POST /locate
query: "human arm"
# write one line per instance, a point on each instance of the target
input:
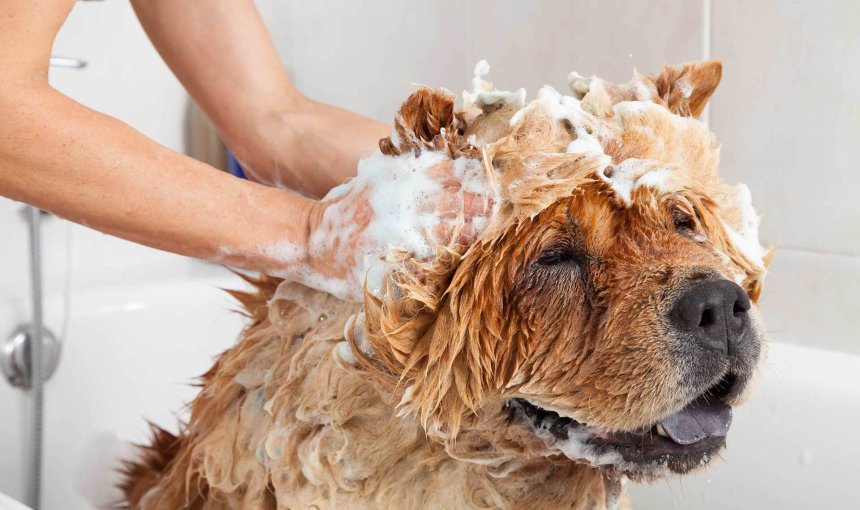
(223, 55)
(90, 168)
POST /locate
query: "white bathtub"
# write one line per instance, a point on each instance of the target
(794, 445)
(129, 356)
(133, 349)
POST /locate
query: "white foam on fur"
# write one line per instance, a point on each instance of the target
(745, 238)
(563, 108)
(683, 84)
(633, 173)
(659, 179)
(343, 352)
(641, 108)
(483, 93)
(578, 447)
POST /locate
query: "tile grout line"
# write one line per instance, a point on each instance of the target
(812, 251)
(706, 49)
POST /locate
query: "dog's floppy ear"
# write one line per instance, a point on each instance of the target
(435, 335)
(686, 88)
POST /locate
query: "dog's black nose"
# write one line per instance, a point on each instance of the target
(715, 312)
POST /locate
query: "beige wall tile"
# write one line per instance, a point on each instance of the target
(530, 44)
(788, 116)
(364, 55)
(812, 299)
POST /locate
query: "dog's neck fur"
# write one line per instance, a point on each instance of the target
(333, 438)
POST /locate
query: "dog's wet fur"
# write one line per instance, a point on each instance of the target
(527, 370)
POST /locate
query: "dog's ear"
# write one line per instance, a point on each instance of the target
(686, 88)
(435, 333)
(426, 121)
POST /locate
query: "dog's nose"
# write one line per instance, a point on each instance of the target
(715, 312)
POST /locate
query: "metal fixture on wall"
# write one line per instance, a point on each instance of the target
(16, 356)
(71, 63)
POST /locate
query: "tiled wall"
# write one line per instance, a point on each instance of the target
(789, 120)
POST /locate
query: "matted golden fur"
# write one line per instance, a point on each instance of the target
(474, 377)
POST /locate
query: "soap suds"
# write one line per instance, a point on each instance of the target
(400, 194)
(579, 84)
(578, 446)
(343, 352)
(398, 189)
(342, 188)
(395, 187)
(745, 238)
(354, 330)
(470, 173)
(627, 174)
(584, 144)
(484, 94)
(643, 92)
(563, 108)
(641, 108)
(659, 179)
(684, 86)
(286, 251)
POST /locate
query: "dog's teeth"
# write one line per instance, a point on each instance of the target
(661, 431)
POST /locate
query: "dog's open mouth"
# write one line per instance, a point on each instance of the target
(679, 442)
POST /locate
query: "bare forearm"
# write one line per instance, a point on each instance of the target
(63, 157)
(95, 170)
(222, 53)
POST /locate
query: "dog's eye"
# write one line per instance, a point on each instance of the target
(684, 223)
(556, 256)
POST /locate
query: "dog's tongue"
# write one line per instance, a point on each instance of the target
(700, 419)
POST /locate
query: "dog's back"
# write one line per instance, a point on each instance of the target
(145, 479)
(193, 469)
(277, 415)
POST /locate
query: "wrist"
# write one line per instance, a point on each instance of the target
(279, 242)
(269, 146)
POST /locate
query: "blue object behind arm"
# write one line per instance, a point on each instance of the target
(233, 166)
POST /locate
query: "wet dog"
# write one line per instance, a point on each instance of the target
(600, 328)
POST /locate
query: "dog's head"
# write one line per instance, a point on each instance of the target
(607, 314)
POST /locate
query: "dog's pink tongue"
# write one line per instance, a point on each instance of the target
(700, 419)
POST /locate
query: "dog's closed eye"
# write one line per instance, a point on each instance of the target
(556, 256)
(684, 222)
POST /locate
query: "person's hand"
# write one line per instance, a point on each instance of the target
(395, 205)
